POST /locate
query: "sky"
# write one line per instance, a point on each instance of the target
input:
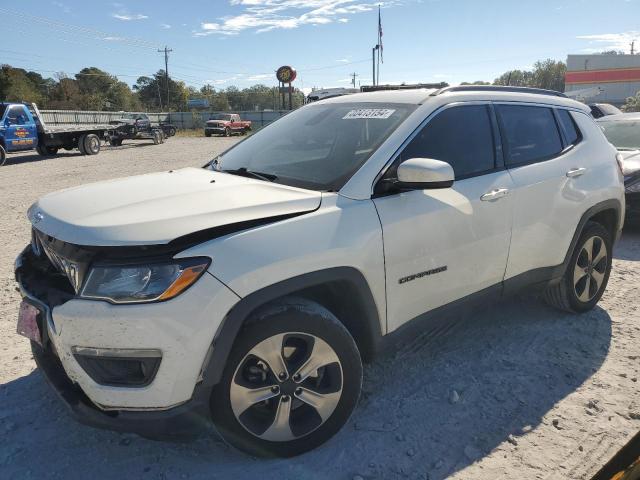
(243, 42)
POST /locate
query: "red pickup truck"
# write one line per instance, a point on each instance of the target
(226, 124)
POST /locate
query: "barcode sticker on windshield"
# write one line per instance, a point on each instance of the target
(369, 113)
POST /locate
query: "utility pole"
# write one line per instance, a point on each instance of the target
(353, 81)
(166, 71)
(633, 47)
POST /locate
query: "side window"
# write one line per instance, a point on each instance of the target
(569, 127)
(461, 136)
(17, 116)
(529, 134)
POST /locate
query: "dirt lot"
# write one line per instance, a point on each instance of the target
(518, 390)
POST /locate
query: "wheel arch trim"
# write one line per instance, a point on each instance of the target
(233, 321)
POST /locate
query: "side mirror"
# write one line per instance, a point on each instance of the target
(424, 173)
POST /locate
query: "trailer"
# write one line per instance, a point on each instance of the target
(23, 128)
(134, 126)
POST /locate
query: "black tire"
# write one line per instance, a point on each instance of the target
(227, 132)
(51, 150)
(42, 151)
(582, 295)
(207, 134)
(156, 138)
(295, 318)
(171, 132)
(3, 156)
(81, 144)
(91, 144)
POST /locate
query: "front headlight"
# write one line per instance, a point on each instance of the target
(143, 283)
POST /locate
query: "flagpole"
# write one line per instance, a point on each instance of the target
(379, 42)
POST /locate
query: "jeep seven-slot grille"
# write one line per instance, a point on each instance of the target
(61, 255)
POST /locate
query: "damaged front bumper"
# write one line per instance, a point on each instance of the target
(175, 404)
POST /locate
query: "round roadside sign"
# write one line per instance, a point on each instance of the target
(286, 74)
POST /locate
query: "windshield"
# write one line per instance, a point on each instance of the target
(2, 109)
(624, 135)
(319, 146)
(220, 117)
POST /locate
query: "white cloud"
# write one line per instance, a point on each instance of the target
(610, 41)
(62, 6)
(128, 16)
(166, 26)
(265, 15)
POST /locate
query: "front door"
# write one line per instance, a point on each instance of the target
(441, 245)
(20, 133)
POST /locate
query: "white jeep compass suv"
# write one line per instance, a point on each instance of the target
(249, 292)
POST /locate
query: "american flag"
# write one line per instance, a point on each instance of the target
(380, 35)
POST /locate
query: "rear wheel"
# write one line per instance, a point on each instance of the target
(290, 383)
(81, 144)
(92, 144)
(227, 132)
(171, 132)
(3, 156)
(207, 134)
(587, 274)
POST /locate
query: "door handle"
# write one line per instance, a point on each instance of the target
(576, 172)
(494, 194)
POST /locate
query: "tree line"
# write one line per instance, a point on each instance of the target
(94, 89)
(548, 74)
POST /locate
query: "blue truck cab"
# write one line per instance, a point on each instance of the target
(18, 129)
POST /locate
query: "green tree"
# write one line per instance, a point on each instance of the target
(152, 92)
(548, 74)
(632, 104)
(17, 85)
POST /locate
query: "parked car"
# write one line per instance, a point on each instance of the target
(623, 131)
(599, 110)
(250, 291)
(226, 124)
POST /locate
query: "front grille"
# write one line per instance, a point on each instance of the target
(66, 258)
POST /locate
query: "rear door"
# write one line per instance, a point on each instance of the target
(20, 130)
(543, 154)
(441, 245)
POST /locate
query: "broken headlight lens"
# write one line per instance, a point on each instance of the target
(143, 283)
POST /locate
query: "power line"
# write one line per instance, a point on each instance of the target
(75, 29)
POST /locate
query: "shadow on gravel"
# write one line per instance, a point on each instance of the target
(20, 158)
(628, 247)
(432, 408)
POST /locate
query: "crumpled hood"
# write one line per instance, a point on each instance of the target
(156, 208)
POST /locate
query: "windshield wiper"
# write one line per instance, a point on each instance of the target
(243, 172)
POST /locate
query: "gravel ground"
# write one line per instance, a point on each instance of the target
(518, 390)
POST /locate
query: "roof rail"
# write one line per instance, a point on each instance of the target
(498, 88)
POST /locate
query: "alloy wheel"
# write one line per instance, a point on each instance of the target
(286, 386)
(590, 269)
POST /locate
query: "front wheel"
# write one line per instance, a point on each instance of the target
(290, 383)
(587, 274)
(227, 132)
(3, 156)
